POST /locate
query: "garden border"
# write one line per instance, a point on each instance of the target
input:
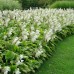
(65, 32)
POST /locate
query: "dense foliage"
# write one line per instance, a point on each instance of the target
(63, 4)
(33, 3)
(52, 1)
(38, 3)
(27, 37)
(9, 4)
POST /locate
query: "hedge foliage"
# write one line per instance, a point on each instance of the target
(37, 3)
(52, 1)
(9, 4)
(33, 3)
(63, 4)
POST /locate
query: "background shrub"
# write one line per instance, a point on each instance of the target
(33, 3)
(38, 3)
(9, 4)
(63, 4)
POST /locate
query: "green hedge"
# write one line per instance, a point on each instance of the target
(63, 4)
(33, 3)
(9, 4)
(52, 1)
(39, 3)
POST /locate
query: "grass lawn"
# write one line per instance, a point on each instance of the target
(62, 61)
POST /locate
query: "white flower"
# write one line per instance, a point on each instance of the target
(0, 67)
(17, 43)
(34, 38)
(21, 56)
(19, 62)
(17, 71)
(10, 32)
(25, 37)
(32, 27)
(49, 35)
(32, 33)
(37, 32)
(6, 22)
(25, 34)
(38, 53)
(15, 39)
(6, 69)
(5, 37)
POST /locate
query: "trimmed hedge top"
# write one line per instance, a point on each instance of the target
(63, 4)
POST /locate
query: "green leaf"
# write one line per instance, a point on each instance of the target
(9, 55)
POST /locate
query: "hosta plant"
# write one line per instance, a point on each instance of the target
(28, 37)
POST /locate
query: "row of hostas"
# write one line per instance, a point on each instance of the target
(9, 54)
(28, 37)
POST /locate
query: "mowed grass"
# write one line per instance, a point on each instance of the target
(62, 61)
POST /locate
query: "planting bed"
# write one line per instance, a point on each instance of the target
(28, 37)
